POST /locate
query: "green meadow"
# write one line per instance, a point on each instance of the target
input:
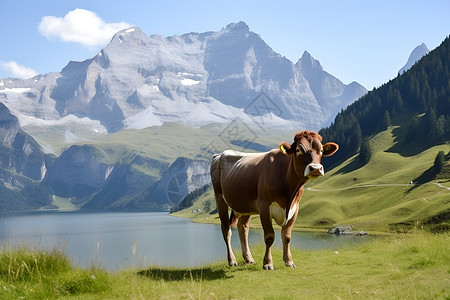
(402, 266)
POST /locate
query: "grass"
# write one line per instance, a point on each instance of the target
(36, 274)
(377, 196)
(164, 143)
(63, 204)
(401, 266)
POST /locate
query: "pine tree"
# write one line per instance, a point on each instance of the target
(431, 125)
(357, 136)
(441, 125)
(439, 162)
(364, 152)
(386, 122)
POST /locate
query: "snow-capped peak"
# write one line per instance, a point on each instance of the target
(194, 79)
(132, 33)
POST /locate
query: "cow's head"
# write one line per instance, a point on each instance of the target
(307, 151)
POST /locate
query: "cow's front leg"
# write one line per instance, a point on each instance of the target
(269, 237)
(286, 238)
(243, 228)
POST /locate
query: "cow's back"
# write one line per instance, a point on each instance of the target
(236, 175)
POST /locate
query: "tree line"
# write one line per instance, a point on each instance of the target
(418, 101)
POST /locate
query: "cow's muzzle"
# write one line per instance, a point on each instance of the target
(313, 171)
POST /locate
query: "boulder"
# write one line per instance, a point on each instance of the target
(345, 229)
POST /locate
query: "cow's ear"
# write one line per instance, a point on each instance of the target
(330, 148)
(285, 148)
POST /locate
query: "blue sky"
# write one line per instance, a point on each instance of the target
(364, 41)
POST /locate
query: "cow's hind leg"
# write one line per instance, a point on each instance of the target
(222, 209)
(243, 228)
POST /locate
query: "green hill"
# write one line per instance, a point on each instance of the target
(375, 197)
(379, 196)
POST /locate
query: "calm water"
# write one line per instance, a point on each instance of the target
(118, 240)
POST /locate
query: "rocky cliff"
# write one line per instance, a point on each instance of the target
(182, 177)
(22, 167)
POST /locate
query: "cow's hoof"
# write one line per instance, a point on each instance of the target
(250, 261)
(291, 265)
(268, 267)
(232, 263)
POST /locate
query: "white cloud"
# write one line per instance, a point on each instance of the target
(17, 70)
(80, 26)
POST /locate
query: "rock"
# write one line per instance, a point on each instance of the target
(342, 229)
(345, 229)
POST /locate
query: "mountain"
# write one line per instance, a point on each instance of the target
(92, 116)
(418, 52)
(138, 81)
(22, 167)
(181, 178)
(21, 153)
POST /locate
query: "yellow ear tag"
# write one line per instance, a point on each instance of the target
(283, 149)
(328, 148)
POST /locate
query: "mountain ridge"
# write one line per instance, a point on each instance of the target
(138, 81)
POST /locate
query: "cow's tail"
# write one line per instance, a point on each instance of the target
(233, 218)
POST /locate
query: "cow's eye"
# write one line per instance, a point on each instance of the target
(299, 151)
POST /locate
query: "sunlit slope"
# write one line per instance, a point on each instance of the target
(374, 197)
(377, 196)
(172, 140)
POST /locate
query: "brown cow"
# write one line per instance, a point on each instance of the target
(269, 184)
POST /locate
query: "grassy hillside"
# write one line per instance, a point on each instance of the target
(140, 157)
(172, 140)
(376, 197)
(412, 266)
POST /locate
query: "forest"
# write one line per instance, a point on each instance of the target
(417, 101)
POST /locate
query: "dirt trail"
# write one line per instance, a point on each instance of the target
(440, 185)
(373, 185)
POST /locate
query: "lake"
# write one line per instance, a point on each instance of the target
(116, 240)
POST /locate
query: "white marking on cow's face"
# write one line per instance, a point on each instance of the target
(313, 171)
